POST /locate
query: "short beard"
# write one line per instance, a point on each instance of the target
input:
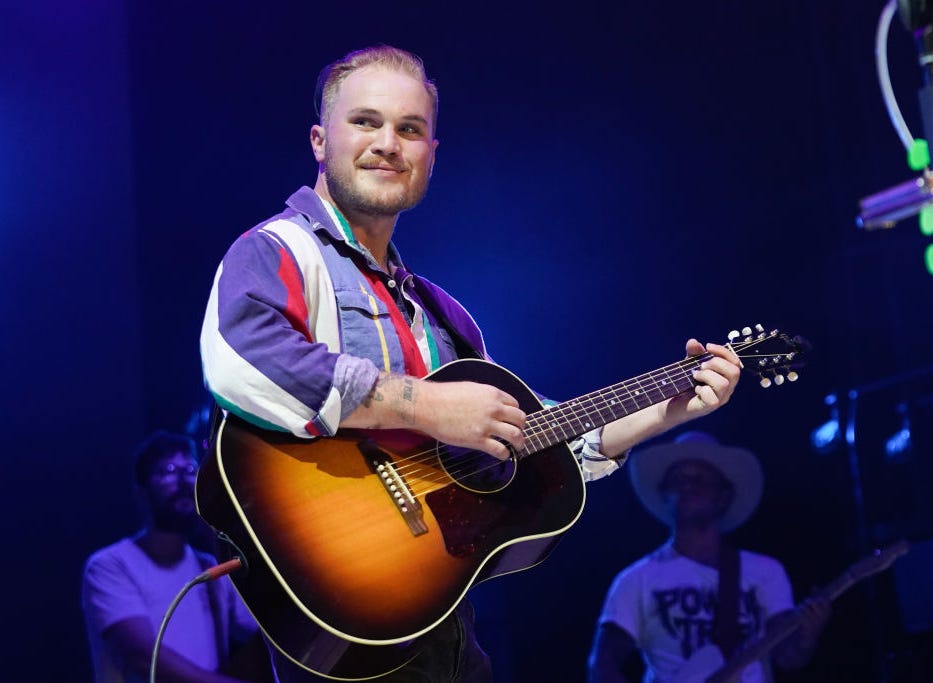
(182, 523)
(349, 199)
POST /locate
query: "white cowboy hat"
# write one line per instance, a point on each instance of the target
(738, 465)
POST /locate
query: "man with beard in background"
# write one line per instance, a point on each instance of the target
(128, 586)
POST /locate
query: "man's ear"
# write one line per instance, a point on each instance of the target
(435, 143)
(318, 145)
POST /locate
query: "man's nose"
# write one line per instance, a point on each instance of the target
(386, 142)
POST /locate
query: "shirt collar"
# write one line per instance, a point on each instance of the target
(325, 216)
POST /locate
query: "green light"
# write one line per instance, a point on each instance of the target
(918, 156)
(929, 258)
(926, 220)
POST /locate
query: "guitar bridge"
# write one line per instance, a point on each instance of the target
(395, 485)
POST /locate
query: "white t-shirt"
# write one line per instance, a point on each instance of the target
(667, 603)
(121, 581)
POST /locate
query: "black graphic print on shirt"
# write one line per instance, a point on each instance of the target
(688, 614)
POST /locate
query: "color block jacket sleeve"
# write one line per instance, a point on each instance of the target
(270, 340)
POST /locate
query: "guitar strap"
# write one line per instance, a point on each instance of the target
(726, 635)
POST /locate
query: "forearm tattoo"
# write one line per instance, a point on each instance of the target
(398, 391)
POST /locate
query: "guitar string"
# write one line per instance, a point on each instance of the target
(586, 405)
(441, 478)
(651, 386)
(536, 420)
(575, 408)
(582, 401)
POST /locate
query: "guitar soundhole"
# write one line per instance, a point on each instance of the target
(475, 470)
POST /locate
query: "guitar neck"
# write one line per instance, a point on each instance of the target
(760, 648)
(568, 420)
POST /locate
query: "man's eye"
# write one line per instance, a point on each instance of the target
(365, 123)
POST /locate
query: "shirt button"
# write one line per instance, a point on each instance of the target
(391, 284)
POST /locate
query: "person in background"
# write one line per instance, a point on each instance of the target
(669, 605)
(127, 587)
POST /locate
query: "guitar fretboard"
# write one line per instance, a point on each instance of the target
(577, 416)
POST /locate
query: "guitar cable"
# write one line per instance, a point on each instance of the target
(209, 574)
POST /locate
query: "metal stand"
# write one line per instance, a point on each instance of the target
(864, 537)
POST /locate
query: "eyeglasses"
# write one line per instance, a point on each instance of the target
(171, 469)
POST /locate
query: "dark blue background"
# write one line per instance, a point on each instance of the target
(611, 179)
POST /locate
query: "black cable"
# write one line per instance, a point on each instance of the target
(209, 575)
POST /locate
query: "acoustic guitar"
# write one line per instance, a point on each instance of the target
(358, 544)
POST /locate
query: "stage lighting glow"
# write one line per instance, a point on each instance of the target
(918, 156)
(899, 445)
(825, 438)
(926, 221)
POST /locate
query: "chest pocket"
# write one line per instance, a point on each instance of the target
(366, 329)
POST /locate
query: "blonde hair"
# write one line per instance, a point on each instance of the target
(334, 74)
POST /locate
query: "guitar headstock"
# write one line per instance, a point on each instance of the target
(879, 560)
(773, 356)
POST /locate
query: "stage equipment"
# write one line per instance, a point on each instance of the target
(844, 417)
(913, 197)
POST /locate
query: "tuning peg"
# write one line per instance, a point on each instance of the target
(733, 335)
(747, 331)
(759, 328)
(792, 376)
(765, 382)
(779, 379)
